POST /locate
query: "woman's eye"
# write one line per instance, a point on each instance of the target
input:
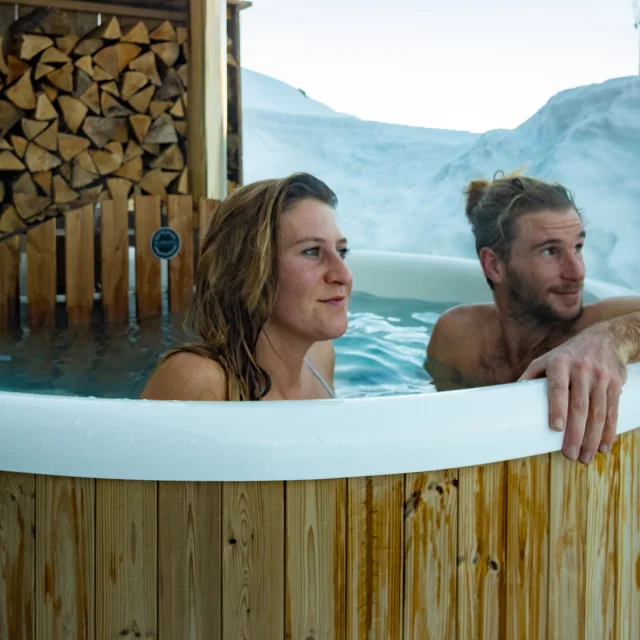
(344, 252)
(313, 251)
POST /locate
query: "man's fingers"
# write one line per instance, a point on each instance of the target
(558, 389)
(597, 415)
(611, 422)
(580, 384)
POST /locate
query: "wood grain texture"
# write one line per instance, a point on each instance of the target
(9, 283)
(253, 560)
(65, 558)
(79, 265)
(114, 252)
(601, 546)
(92, 7)
(482, 552)
(633, 450)
(41, 274)
(375, 560)
(190, 560)
(527, 567)
(431, 533)
(627, 599)
(196, 115)
(17, 556)
(567, 548)
(206, 211)
(316, 560)
(126, 559)
(181, 267)
(148, 283)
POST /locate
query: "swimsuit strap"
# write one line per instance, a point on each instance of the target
(317, 375)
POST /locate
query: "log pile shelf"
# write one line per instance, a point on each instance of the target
(84, 119)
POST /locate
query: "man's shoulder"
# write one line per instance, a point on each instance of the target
(457, 325)
(456, 342)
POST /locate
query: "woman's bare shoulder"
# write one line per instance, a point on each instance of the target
(186, 376)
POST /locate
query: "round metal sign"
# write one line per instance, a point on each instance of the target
(165, 243)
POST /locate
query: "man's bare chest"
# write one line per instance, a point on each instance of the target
(493, 366)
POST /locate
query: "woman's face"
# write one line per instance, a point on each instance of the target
(315, 283)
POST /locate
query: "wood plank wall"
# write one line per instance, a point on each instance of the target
(83, 248)
(533, 548)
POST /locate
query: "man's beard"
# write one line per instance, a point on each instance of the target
(528, 305)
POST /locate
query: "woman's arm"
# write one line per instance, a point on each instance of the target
(186, 376)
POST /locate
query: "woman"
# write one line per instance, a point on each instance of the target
(272, 290)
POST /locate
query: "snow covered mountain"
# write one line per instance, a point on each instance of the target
(400, 188)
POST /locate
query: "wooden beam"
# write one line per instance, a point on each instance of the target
(207, 113)
(111, 9)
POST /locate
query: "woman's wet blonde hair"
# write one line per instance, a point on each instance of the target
(236, 280)
(492, 207)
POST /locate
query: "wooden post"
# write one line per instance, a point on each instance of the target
(234, 110)
(207, 115)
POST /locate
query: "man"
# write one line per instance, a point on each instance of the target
(529, 238)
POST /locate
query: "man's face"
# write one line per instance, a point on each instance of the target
(545, 272)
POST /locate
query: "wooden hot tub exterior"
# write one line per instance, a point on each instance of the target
(532, 548)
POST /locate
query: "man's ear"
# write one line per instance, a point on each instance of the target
(492, 265)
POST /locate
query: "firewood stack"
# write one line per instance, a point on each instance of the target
(84, 119)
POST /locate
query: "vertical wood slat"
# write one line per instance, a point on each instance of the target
(79, 264)
(627, 599)
(148, 282)
(41, 274)
(634, 490)
(190, 560)
(567, 522)
(114, 259)
(9, 282)
(253, 560)
(181, 267)
(126, 559)
(65, 558)
(482, 552)
(527, 566)
(206, 210)
(431, 533)
(601, 548)
(196, 113)
(316, 559)
(17, 556)
(374, 563)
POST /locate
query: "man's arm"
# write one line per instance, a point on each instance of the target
(586, 375)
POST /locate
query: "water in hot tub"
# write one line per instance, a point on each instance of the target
(382, 353)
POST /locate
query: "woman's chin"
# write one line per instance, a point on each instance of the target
(334, 330)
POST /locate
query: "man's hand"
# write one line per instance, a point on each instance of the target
(585, 378)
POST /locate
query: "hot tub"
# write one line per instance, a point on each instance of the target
(449, 515)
